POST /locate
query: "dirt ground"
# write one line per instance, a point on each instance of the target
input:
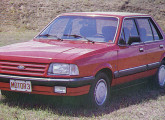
(35, 14)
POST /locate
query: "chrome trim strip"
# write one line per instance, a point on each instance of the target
(46, 79)
(116, 74)
(153, 41)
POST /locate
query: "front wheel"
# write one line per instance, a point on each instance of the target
(160, 77)
(100, 91)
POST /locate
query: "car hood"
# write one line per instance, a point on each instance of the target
(49, 50)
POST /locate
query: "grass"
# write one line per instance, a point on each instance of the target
(7, 38)
(134, 103)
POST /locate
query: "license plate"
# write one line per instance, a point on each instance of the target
(19, 85)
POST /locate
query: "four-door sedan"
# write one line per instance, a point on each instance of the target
(85, 53)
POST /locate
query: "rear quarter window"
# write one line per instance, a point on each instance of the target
(156, 33)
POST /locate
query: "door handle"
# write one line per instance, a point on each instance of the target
(161, 46)
(141, 49)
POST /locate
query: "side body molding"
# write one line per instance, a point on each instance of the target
(135, 70)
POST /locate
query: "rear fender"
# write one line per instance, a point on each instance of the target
(162, 57)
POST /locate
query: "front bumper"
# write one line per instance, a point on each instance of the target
(45, 86)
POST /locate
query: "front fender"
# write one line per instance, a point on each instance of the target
(100, 67)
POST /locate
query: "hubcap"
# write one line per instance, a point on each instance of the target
(100, 92)
(161, 75)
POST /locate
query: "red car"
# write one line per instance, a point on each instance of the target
(85, 53)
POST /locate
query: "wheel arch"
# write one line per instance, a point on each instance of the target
(108, 72)
(106, 68)
(162, 58)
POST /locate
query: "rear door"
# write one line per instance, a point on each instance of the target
(154, 44)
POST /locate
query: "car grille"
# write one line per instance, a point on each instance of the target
(23, 68)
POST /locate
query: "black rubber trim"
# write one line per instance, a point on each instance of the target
(75, 82)
(130, 71)
(153, 65)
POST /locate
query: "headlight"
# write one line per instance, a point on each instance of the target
(63, 69)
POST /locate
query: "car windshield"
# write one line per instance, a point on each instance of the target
(95, 29)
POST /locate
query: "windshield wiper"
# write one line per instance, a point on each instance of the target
(76, 36)
(47, 35)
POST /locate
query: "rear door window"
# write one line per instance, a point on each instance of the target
(145, 30)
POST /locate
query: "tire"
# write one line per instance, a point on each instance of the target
(100, 91)
(160, 76)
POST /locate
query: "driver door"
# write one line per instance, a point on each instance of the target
(131, 58)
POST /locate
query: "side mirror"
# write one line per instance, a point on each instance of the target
(133, 39)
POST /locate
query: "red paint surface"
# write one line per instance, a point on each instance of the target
(50, 90)
(89, 57)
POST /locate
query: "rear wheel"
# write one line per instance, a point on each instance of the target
(100, 91)
(160, 77)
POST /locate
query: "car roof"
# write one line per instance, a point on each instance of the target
(118, 14)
